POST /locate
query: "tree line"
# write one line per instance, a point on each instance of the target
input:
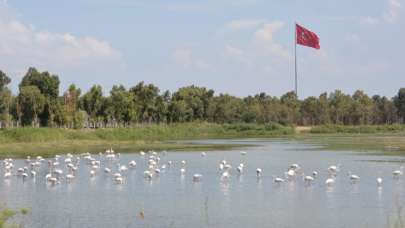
(39, 104)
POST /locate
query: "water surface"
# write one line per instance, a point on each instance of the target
(243, 201)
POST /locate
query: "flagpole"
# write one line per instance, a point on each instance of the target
(295, 54)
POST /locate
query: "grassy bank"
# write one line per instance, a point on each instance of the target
(377, 139)
(364, 129)
(48, 141)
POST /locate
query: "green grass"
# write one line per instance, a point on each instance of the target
(366, 129)
(376, 143)
(20, 142)
(377, 139)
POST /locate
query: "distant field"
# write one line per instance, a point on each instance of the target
(49, 141)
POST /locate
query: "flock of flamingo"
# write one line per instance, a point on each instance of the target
(65, 168)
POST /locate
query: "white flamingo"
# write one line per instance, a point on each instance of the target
(197, 177)
(258, 172)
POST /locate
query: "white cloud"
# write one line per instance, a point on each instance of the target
(238, 54)
(241, 24)
(390, 15)
(261, 54)
(22, 45)
(185, 58)
(264, 40)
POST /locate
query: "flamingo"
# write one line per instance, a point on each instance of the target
(132, 163)
(258, 172)
(197, 177)
(354, 178)
(309, 179)
(225, 175)
(398, 172)
(278, 180)
(69, 177)
(7, 174)
(330, 181)
(148, 174)
(379, 181)
(314, 174)
(290, 173)
(107, 170)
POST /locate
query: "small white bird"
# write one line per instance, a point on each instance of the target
(333, 168)
(203, 154)
(148, 174)
(119, 180)
(69, 177)
(291, 173)
(397, 173)
(354, 178)
(132, 163)
(309, 179)
(7, 174)
(258, 172)
(278, 180)
(294, 166)
(197, 177)
(239, 169)
(314, 173)
(107, 170)
(330, 181)
(379, 181)
(123, 168)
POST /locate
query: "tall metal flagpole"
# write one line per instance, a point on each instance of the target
(295, 52)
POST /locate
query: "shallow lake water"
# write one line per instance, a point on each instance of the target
(173, 200)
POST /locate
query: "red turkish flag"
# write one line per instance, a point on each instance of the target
(306, 37)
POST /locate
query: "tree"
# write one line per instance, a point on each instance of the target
(31, 102)
(196, 99)
(179, 111)
(92, 103)
(5, 99)
(292, 107)
(340, 104)
(361, 109)
(384, 111)
(225, 109)
(4, 80)
(399, 101)
(145, 101)
(122, 105)
(309, 111)
(47, 84)
(70, 104)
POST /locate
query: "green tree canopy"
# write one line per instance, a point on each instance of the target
(31, 102)
(47, 84)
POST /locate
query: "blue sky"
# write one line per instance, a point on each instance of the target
(239, 47)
